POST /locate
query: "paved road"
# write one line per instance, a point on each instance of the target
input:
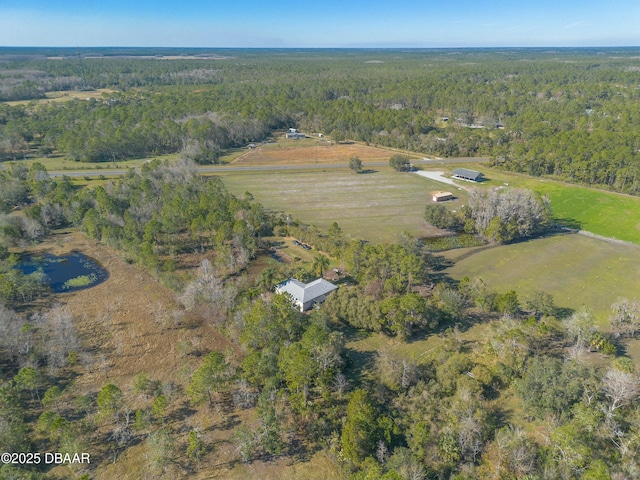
(258, 168)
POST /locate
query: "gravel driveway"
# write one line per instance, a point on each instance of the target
(438, 177)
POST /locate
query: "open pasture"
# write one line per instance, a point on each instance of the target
(575, 269)
(374, 206)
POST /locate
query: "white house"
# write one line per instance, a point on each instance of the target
(306, 295)
(295, 135)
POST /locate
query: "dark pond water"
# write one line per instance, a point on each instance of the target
(67, 273)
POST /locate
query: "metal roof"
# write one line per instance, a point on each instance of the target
(305, 293)
(466, 173)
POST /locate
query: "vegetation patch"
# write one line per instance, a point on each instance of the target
(463, 240)
(81, 281)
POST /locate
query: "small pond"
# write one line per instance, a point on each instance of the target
(66, 273)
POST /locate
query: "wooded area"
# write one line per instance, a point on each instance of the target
(568, 113)
(443, 415)
(540, 392)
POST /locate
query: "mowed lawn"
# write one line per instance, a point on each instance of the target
(575, 269)
(372, 206)
(605, 213)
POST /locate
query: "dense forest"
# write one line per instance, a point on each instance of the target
(568, 113)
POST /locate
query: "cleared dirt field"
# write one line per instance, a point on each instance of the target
(305, 151)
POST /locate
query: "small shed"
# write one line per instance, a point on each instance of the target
(466, 174)
(441, 196)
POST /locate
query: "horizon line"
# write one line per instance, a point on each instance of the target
(353, 47)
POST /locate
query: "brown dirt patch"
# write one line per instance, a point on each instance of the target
(322, 152)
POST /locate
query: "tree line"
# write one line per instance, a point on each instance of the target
(568, 113)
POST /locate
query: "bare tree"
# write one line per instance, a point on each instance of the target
(206, 287)
(409, 374)
(470, 436)
(159, 447)
(382, 452)
(625, 318)
(513, 213)
(517, 451)
(620, 388)
(394, 372)
(244, 395)
(61, 337)
(8, 320)
(340, 384)
(580, 326)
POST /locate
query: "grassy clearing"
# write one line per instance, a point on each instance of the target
(575, 269)
(232, 154)
(59, 163)
(419, 350)
(375, 206)
(605, 213)
(64, 96)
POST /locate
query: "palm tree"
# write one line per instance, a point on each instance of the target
(320, 264)
(266, 278)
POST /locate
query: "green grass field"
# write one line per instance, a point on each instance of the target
(575, 269)
(605, 213)
(379, 206)
(374, 206)
(61, 163)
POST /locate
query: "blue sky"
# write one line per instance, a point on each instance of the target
(328, 23)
